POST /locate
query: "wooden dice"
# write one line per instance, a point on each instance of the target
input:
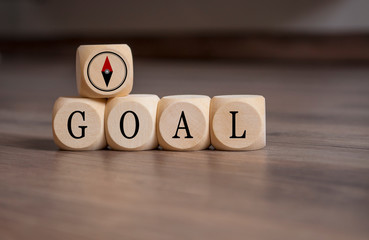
(142, 121)
(78, 123)
(183, 122)
(237, 122)
(104, 71)
(130, 122)
(109, 115)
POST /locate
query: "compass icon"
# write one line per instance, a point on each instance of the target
(107, 71)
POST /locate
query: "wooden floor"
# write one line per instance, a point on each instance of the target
(310, 182)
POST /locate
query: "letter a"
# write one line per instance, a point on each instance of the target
(183, 117)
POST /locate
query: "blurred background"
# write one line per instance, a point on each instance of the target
(254, 30)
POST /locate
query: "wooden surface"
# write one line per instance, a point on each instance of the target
(310, 182)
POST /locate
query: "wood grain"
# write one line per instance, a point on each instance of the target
(310, 182)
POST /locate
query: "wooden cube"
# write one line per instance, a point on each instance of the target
(237, 122)
(78, 123)
(130, 122)
(183, 122)
(104, 71)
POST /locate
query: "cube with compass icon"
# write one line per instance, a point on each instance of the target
(104, 71)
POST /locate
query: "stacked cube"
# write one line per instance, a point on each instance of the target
(106, 114)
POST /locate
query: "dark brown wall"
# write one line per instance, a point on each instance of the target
(55, 18)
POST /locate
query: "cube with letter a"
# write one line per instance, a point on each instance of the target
(104, 71)
(183, 122)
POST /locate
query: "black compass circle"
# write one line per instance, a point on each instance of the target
(119, 85)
